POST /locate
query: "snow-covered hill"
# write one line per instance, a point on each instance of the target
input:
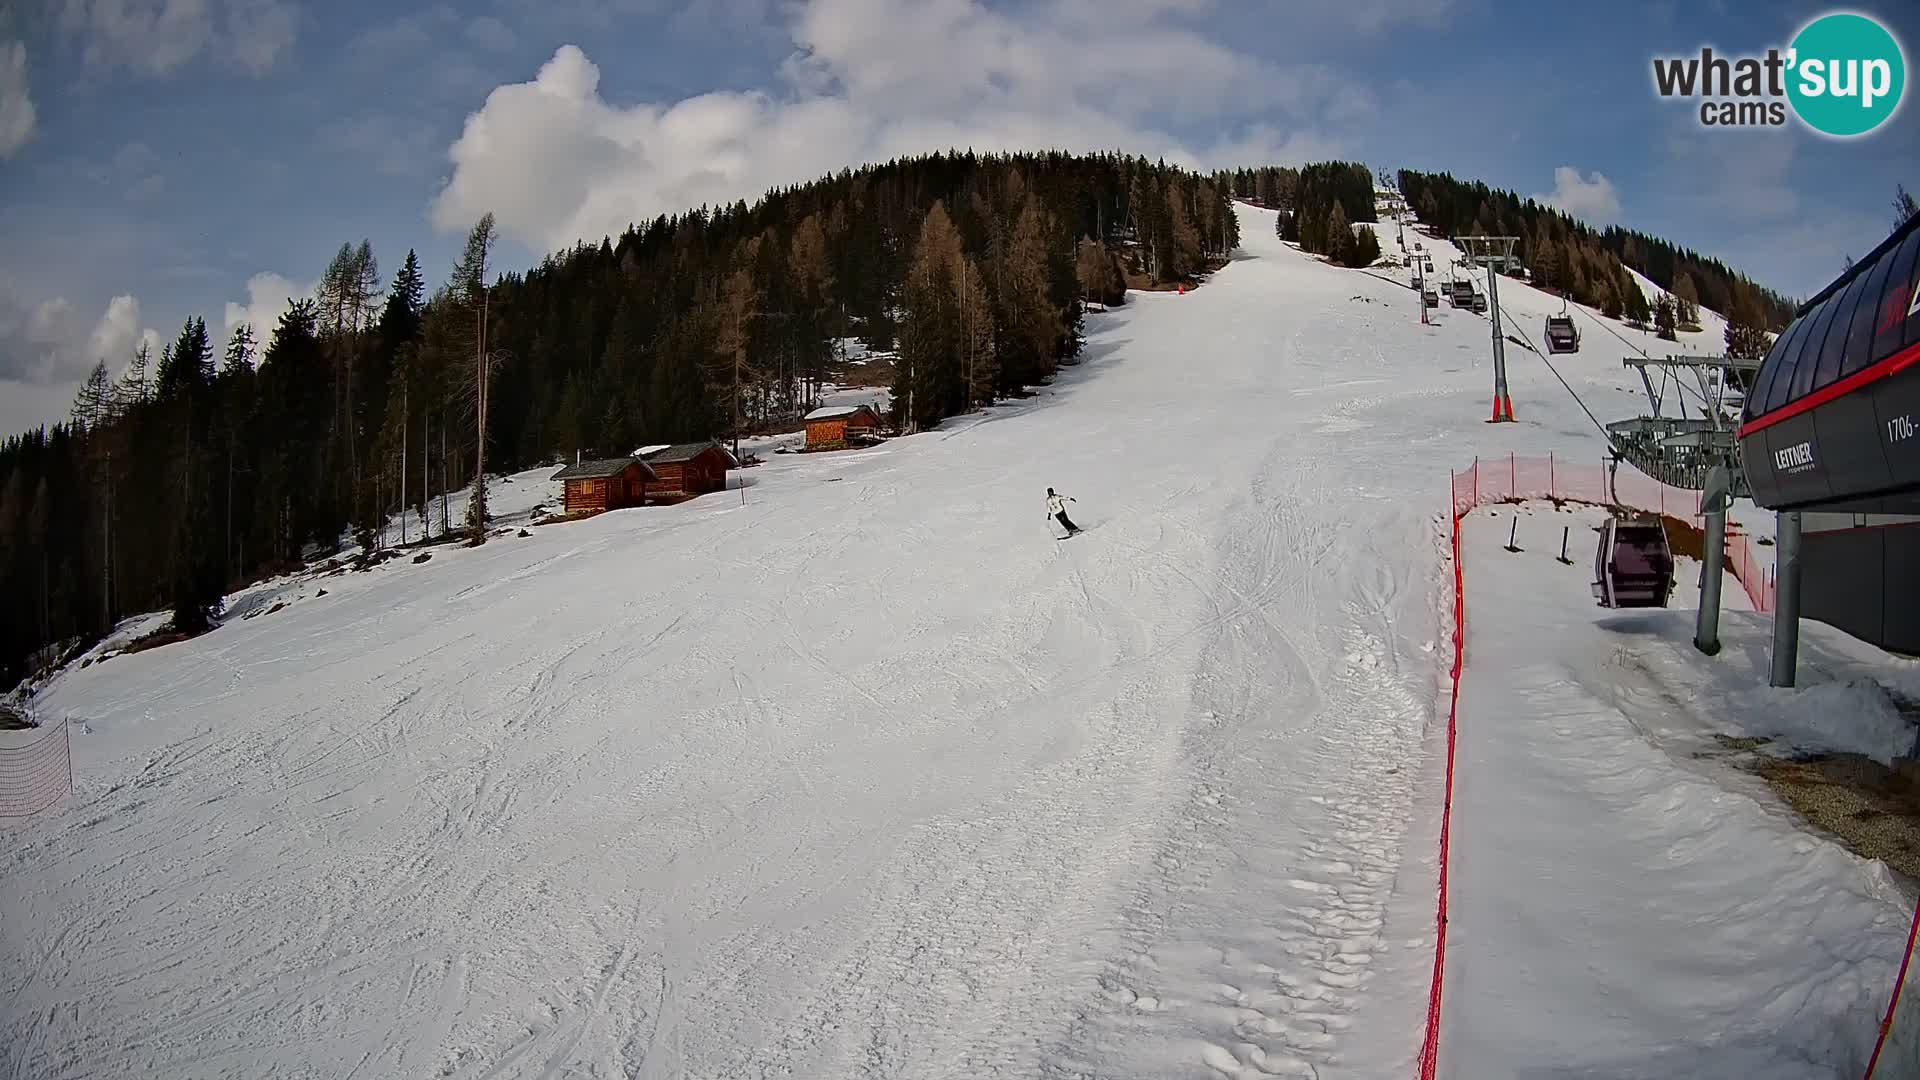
(854, 771)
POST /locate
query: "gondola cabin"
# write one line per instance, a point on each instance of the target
(605, 484)
(685, 470)
(1632, 565)
(1562, 336)
(831, 428)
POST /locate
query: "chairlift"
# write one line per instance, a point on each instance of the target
(1562, 336)
(1431, 297)
(1633, 565)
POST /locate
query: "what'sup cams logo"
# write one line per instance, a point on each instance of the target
(1843, 75)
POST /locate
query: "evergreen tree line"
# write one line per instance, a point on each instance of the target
(209, 466)
(1319, 204)
(1567, 256)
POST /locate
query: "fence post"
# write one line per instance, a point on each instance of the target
(1476, 479)
(1553, 488)
(1513, 477)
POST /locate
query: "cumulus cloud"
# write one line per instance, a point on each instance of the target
(157, 37)
(47, 348)
(119, 334)
(268, 295)
(1590, 198)
(16, 108)
(873, 79)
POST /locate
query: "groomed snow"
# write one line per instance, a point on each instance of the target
(1624, 903)
(852, 771)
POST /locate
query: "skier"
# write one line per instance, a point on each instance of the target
(1057, 509)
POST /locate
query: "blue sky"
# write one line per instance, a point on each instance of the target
(163, 158)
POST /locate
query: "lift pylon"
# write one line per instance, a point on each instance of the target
(1495, 253)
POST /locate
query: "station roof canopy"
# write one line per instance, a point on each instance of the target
(1832, 420)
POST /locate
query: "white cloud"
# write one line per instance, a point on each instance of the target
(157, 37)
(267, 297)
(873, 79)
(1590, 198)
(16, 108)
(47, 350)
(119, 334)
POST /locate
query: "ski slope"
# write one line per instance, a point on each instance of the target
(853, 772)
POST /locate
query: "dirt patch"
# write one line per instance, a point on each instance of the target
(165, 636)
(1871, 808)
(1140, 282)
(555, 519)
(875, 371)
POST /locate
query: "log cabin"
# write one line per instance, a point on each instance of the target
(685, 470)
(829, 428)
(606, 484)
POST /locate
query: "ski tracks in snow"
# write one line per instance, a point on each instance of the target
(1251, 935)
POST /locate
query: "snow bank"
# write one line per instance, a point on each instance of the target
(1625, 904)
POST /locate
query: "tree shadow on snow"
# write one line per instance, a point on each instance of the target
(1068, 379)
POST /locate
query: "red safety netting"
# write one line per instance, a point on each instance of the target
(1463, 501)
(36, 774)
(1492, 480)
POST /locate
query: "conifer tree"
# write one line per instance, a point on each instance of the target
(1663, 317)
(1339, 235)
(93, 405)
(927, 373)
(1633, 298)
(979, 362)
(1686, 302)
(470, 286)
(240, 349)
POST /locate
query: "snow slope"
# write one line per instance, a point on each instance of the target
(1624, 904)
(855, 771)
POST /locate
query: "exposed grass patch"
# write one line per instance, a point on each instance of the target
(1872, 809)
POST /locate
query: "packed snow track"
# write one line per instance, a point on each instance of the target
(862, 776)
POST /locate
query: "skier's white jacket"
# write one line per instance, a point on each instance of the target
(1056, 505)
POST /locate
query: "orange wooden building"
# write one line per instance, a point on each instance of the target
(606, 483)
(688, 469)
(829, 428)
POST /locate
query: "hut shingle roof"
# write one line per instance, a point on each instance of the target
(601, 468)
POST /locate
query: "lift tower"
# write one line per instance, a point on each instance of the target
(1495, 253)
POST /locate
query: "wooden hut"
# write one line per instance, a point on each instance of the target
(687, 469)
(606, 483)
(829, 428)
